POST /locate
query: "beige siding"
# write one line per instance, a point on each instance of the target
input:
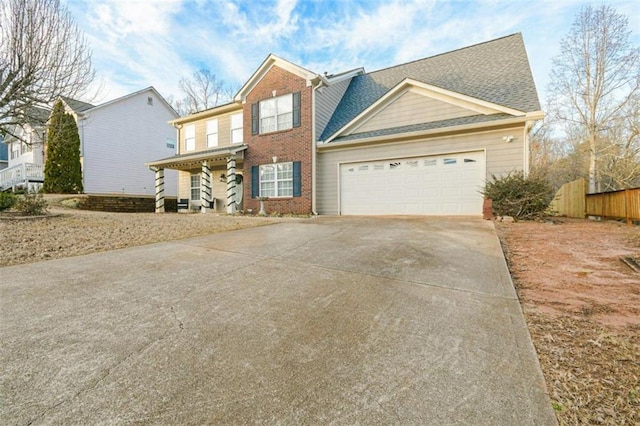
(412, 108)
(224, 131)
(501, 157)
(184, 184)
(219, 188)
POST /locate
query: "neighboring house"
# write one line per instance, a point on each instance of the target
(418, 138)
(118, 137)
(4, 154)
(25, 154)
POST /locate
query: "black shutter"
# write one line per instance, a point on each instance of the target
(296, 109)
(255, 118)
(297, 179)
(255, 181)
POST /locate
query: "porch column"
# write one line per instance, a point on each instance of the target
(231, 185)
(159, 190)
(205, 187)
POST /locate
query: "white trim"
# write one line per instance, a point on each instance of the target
(271, 61)
(408, 84)
(325, 146)
(130, 95)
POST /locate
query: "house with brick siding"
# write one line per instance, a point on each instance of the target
(419, 138)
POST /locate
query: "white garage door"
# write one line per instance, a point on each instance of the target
(433, 185)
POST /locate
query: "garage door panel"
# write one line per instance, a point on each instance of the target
(435, 185)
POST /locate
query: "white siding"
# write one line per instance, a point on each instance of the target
(412, 108)
(27, 154)
(119, 138)
(501, 157)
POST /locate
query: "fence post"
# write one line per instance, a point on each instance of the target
(627, 206)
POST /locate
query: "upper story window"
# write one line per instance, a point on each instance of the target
(190, 137)
(277, 113)
(212, 132)
(236, 128)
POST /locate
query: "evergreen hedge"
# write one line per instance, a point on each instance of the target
(62, 170)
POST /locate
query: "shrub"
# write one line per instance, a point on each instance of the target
(31, 204)
(7, 200)
(519, 196)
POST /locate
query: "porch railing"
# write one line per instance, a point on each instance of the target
(21, 174)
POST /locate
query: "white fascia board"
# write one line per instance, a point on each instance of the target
(408, 84)
(271, 61)
(211, 112)
(325, 146)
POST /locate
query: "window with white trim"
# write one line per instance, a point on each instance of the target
(15, 150)
(212, 133)
(195, 187)
(236, 128)
(276, 113)
(276, 180)
(190, 137)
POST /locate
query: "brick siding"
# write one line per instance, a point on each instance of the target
(288, 145)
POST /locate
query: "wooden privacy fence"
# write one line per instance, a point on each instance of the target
(569, 201)
(572, 201)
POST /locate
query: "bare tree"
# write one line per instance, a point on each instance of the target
(619, 162)
(43, 54)
(202, 91)
(594, 78)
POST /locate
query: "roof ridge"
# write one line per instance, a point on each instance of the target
(445, 53)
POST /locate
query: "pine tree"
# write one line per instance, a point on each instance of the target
(62, 170)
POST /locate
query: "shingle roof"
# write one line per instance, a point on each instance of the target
(496, 71)
(75, 105)
(37, 116)
(431, 125)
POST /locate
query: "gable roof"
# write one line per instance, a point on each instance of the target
(76, 105)
(271, 61)
(82, 107)
(496, 72)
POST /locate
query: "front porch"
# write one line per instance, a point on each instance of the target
(206, 168)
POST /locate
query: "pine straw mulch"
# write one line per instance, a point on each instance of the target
(581, 306)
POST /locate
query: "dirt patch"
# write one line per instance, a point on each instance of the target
(70, 232)
(582, 305)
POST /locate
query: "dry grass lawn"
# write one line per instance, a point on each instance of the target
(582, 306)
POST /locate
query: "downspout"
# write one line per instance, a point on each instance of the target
(313, 149)
(527, 153)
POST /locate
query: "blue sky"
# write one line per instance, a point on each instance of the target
(140, 43)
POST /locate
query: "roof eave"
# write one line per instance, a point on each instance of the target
(406, 84)
(463, 128)
(221, 109)
(267, 64)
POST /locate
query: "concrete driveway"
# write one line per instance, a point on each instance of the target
(319, 321)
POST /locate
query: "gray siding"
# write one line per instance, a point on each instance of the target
(412, 108)
(327, 99)
(501, 157)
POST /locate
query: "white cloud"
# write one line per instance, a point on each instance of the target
(137, 43)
